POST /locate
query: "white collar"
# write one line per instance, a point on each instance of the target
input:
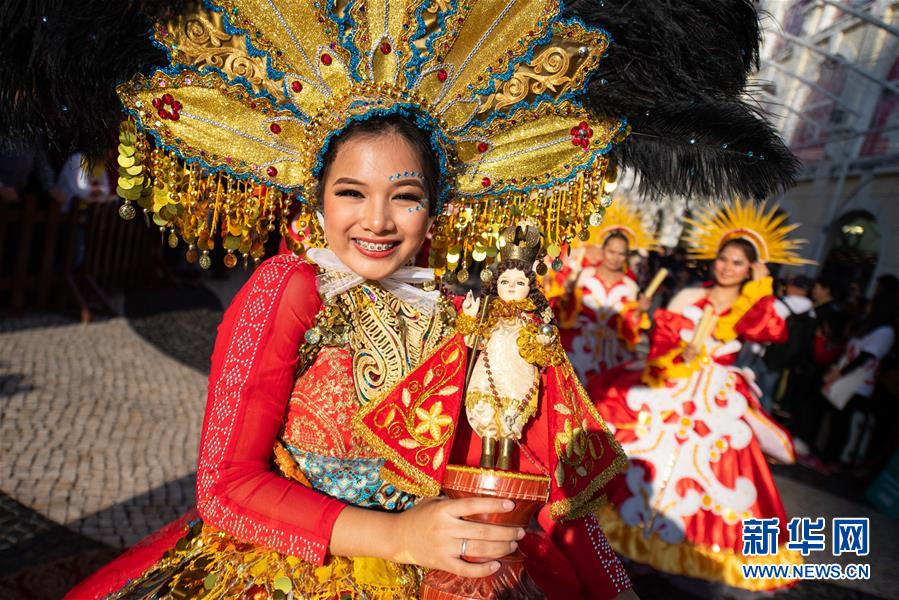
(338, 278)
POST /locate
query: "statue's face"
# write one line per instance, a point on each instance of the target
(513, 284)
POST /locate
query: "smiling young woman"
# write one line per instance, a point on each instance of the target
(326, 503)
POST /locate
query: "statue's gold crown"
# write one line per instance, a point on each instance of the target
(522, 242)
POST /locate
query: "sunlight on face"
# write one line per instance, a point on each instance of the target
(731, 267)
(375, 205)
(614, 254)
(512, 285)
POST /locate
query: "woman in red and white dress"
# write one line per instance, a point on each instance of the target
(694, 432)
(601, 318)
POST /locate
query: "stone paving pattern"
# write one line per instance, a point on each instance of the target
(99, 427)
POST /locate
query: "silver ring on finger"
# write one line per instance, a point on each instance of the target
(464, 547)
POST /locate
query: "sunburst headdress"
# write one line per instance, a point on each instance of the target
(765, 229)
(230, 135)
(619, 217)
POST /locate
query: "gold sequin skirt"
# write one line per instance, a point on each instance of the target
(208, 563)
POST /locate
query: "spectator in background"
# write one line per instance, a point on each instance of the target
(27, 170)
(808, 405)
(791, 359)
(856, 370)
(80, 180)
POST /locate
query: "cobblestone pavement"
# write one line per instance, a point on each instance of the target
(99, 426)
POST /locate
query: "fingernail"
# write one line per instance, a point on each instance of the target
(520, 533)
(494, 567)
(514, 546)
(508, 505)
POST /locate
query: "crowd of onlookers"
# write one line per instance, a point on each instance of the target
(835, 381)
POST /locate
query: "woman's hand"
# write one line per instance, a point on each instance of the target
(759, 271)
(471, 305)
(832, 375)
(644, 304)
(690, 353)
(431, 534)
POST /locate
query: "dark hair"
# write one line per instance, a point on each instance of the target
(488, 288)
(743, 244)
(390, 124)
(617, 235)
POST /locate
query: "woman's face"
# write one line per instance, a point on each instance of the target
(614, 254)
(732, 267)
(512, 285)
(375, 204)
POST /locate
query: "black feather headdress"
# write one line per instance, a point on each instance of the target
(61, 61)
(677, 70)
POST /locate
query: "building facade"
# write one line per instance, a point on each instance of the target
(829, 78)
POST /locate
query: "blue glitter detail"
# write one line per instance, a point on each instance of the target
(356, 481)
(344, 36)
(413, 67)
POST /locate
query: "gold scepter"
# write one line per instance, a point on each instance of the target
(488, 452)
(653, 286)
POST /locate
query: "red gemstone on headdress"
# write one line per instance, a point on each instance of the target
(177, 105)
(175, 116)
(296, 86)
(163, 113)
(275, 128)
(441, 74)
(167, 98)
(157, 103)
(486, 182)
(271, 171)
(482, 147)
(385, 48)
(326, 59)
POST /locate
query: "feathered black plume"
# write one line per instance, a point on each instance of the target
(712, 148)
(61, 61)
(676, 69)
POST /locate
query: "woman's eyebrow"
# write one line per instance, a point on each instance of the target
(349, 180)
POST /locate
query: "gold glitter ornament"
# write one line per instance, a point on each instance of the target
(127, 211)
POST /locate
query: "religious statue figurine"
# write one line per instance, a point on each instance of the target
(514, 339)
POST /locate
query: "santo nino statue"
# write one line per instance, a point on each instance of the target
(515, 339)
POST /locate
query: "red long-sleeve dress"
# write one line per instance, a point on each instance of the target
(695, 435)
(282, 456)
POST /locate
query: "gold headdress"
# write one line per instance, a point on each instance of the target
(620, 218)
(765, 230)
(256, 90)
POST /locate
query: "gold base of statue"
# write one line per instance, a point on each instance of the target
(511, 581)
